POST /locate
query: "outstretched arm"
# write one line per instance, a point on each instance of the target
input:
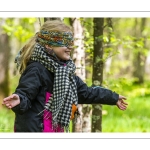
(21, 100)
(98, 95)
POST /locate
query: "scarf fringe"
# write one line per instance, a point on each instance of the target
(55, 126)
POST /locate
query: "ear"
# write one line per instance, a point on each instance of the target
(48, 47)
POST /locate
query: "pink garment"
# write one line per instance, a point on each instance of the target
(47, 120)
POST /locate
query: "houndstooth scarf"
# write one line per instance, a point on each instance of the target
(64, 88)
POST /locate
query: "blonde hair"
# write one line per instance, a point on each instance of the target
(27, 50)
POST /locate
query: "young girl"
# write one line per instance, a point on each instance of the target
(49, 91)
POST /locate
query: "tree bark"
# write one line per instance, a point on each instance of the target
(4, 65)
(97, 76)
(79, 59)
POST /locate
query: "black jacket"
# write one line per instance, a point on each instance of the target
(33, 85)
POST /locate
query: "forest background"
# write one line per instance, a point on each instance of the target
(126, 62)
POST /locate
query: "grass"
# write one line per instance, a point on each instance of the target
(134, 119)
(6, 120)
(7, 116)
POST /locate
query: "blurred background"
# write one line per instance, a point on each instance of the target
(123, 57)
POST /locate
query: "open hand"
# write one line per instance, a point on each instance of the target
(121, 104)
(11, 101)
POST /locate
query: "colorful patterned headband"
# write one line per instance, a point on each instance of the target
(55, 38)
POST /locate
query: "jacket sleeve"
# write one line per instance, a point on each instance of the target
(95, 95)
(27, 89)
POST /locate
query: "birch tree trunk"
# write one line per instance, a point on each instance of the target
(97, 77)
(79, 59)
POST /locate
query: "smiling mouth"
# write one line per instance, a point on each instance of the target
(68, 52)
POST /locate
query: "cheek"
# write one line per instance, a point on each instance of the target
(66, 57)
(58, 53)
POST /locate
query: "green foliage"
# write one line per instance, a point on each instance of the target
(109, 41)
(6, 120)
(121, 40)
(136, 117)
(22, 29)
(21, 34)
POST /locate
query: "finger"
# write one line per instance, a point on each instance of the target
(122, 97)
(4, 104)
(9, 98)
(6, 99)
(9, 106)
(124, 103)
(122, 107)
(125, 107)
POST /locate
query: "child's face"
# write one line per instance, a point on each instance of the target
(62, 53)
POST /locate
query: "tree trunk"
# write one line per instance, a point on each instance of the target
(139, 57)
(86, 119)
(4, 65)
(97, 77)
(79, 59)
